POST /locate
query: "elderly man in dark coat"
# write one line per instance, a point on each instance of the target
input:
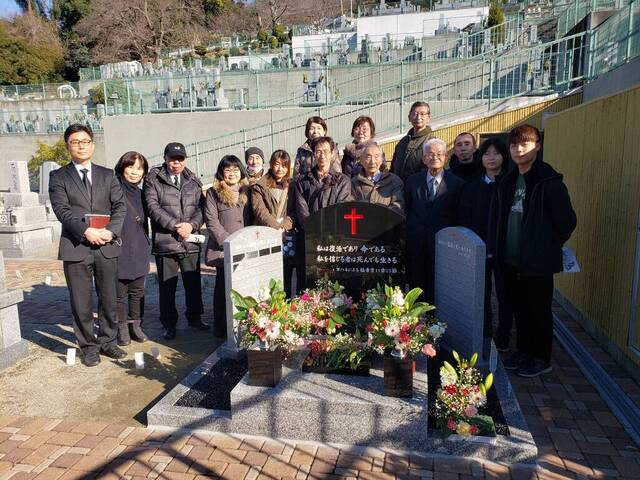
(431, 198)
(174, 199)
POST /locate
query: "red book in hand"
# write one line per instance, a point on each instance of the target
(96, 220)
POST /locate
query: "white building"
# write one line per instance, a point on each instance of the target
(399, 26)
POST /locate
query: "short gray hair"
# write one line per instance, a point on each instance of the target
(433, 141)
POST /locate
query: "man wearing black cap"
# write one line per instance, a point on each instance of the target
(173, 195)
(254, 159)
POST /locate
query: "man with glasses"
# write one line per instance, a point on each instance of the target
(407, 157)
(88, 201)
(431, 201)
(173, 195)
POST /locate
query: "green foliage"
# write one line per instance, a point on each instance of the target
(200, 50)
(39, 7)
(24, 62)
(496, 17)
(262, 36)
(217, 7)
(76, 56)
(70, 12)
(485, 424)
(280, 34)
(49, 153)
(97, 95)
(273, 42)
(235, 51)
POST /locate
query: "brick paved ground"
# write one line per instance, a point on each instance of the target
(577, 437)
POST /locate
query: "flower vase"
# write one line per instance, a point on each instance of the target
(398, 374)
(264, 365)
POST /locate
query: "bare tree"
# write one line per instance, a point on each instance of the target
(120, 30)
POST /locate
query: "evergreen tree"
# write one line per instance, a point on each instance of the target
(495, 18)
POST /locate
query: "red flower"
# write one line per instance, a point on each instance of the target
(473, 430)
(452, 425)
(274, 310)
(451, 389)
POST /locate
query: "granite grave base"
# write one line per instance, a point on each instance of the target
(341, 409)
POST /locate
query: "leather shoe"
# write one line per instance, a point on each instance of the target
(169, 333)
(91, 359)
(114, 352)
(199, 325)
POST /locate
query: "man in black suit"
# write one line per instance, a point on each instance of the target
(432, 198)
(89, 254)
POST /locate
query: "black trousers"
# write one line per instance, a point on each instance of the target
(531, 297)
(219, 305)
(493, 276)
(131, 300)
(80, 277)
(188, 264)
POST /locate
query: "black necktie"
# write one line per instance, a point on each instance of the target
(85, 180)
(176, 181)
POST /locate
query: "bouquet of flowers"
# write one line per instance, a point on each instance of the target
(336, 352)
(398, 322)
(264, 320)
(322, 310)
(462, 393)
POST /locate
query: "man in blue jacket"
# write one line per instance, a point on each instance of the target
(533, 219)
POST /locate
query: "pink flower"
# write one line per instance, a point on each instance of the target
(471, 411)
(473, 430)
(420, 327)
(305, 297)
(451, 425)
(428, 350)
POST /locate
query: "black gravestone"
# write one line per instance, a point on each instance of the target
(358, 244)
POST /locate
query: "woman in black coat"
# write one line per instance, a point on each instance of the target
(133, 262)
(475, 205)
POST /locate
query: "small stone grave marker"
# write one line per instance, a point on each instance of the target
(252, 257)
(459, 288)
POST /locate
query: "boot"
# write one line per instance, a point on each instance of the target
(136, 332)
(123, 334)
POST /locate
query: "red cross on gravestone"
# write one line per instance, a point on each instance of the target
(354, 217)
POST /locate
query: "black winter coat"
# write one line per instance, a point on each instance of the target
(547, 223)
(133, 261)
(168, 205)
(312, 194)
(475, 204)
(466, 171)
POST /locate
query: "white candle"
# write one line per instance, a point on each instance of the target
(71, 356)
(139, 359)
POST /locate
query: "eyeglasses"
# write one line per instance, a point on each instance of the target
(232, 170)
(77, 143)
(323, 153)
(421, 114)
(435, 155)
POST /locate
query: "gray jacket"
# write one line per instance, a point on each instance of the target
(169, 205)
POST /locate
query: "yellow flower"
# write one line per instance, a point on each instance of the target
(464, 429)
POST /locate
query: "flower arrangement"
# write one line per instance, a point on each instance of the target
(322, 310)
(462, 393)
(398, 322)
(266, 319)
(335, 353)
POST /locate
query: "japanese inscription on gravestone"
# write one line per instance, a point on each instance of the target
(252, 257)
(459, 288)
(358, 244)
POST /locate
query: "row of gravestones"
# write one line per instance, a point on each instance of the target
(360, 245)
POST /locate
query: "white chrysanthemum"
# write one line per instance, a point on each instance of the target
(274, 331)
(263, 294)
(392, 329)
(436, 330)
(262, 321)
(397, 299)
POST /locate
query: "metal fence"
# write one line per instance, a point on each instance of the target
(579, 9)
(287, 87)
(39, 91)
(543, 69)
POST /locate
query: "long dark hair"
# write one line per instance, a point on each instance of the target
(230, 161)
(502, 149)
(129, 159)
